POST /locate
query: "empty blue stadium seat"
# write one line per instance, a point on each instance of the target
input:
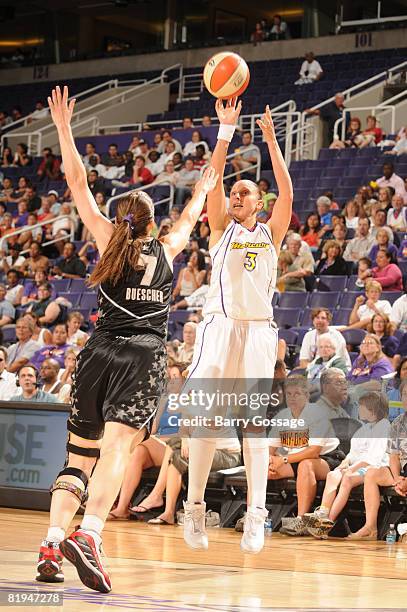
(286, 317)
(89, 300)
(331, 283)
(354, 336)
(324, 299)
(293, 299)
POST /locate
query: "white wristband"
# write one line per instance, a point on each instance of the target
(226, 132)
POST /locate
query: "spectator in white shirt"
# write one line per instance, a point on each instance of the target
(391, 179)
(365, 308)
(321, 317)
(398, 314)
(41, 112)
(8, 386)
(23, 350)
(196, 139)
(397, 216)
(14, 288)
(155, 162)
(13, 260)
(166, 137)
(311, 70)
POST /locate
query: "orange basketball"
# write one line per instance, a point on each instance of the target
(226, 75)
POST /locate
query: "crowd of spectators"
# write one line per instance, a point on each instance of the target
(362, 237)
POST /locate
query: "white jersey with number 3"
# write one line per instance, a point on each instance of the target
(244, 271)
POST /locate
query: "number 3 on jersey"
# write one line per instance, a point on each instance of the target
(250, 261)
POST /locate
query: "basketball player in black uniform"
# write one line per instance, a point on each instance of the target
(120, 372)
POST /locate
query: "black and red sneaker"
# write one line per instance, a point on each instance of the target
(49, 567)
(81, 550)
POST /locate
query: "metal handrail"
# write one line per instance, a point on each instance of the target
(111, 83)
(29, 228)
(177, 80)
(384, 74)
(215, 121)
(379, 79)
(170, 198)
(193, 78)
(40, 133)
(299, 129)
(372, 109)
(256, 166)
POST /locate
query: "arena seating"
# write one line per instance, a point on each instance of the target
(272, 82)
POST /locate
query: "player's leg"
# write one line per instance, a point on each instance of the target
(83, 546)
(214, 360)
(262, 341)
(68, 492)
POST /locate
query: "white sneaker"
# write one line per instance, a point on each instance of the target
(194, 525)
(253, 532)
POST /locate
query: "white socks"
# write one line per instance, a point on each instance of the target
(91, 522)
(201, 453)
(55, 534)
(256, 460)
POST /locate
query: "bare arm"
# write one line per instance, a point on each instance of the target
(75, 172)
(217, 213)
(283, 208)
(178, 237)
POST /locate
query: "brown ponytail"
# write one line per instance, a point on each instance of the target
(134, 213)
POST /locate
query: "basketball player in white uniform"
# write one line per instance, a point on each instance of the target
(238, 338)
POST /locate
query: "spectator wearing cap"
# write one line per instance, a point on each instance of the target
(13, 260)
(7, 310)
(8, 386)
(391, 179)
(69, 265)
(22, 351)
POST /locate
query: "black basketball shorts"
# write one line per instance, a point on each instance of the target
(117, 379)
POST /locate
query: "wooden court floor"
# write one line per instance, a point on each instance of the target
(152, 569)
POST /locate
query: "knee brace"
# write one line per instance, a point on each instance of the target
(78, 488)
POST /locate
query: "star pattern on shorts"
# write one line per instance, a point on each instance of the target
(74, 411)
